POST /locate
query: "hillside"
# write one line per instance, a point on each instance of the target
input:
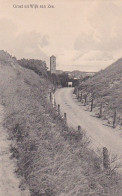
(52, 160)
(37, 66)
(106, 86)
(79, 74)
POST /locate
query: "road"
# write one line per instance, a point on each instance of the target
(99, 134)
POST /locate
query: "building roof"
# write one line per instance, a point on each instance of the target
(53, 56)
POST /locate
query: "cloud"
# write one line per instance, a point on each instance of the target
(91, 39)
(85, 42)
(105, 21)
(7, 33)
(102, 43)
(66, 57)
(30, 45)
(45, 41)
(96, 55)
(24, 44)
(107, 24)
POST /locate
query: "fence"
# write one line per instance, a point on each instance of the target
(106, 160)
(84, 99)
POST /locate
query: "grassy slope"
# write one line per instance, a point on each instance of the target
(51, 160)
(107, 87)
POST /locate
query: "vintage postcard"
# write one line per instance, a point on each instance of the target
(60, 97)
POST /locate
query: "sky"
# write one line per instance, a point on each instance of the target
(84, 35)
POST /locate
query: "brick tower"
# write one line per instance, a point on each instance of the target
(53, 65)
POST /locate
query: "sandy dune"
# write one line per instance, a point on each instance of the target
(9, 183)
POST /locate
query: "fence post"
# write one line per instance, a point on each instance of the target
(85, 99)
(79, 128)
(76, 90)
(101, 111)
(65, 118)
(53, 99)
(81, 97)
(106, 161)
(50, 97)
(58, 109)
(92, 104)
(54, 103)
(114, 120)
(77, 93)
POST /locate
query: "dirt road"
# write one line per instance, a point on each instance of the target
(99, 134)
(9, 183)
